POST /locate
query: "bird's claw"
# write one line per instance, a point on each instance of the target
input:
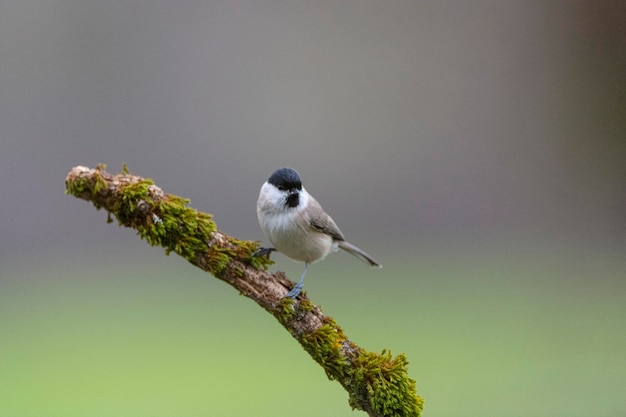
(295, 291)
(263, 252)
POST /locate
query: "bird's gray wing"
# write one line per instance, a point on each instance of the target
(322, 222)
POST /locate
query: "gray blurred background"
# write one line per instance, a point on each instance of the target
(476, 148)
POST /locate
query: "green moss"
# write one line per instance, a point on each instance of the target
(247, 252)
(125, 208)
(218, 259)
(325, 346)
(99, 185)
(378, 378)
(306, 305)
(77, 186)
(168, 223)
(172, 224)
(92, 186)
(286, 310)
(385, 381)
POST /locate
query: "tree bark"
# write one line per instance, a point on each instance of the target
(376, 383)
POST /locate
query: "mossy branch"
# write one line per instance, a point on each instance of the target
(376, 383)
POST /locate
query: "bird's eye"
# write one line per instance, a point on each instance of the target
(281, 187)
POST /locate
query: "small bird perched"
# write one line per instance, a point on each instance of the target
(297, 226)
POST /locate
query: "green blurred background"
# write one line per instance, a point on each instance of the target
(476, 148)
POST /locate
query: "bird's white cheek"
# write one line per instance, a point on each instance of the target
(271, 199)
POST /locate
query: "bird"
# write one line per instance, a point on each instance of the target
(297, 225)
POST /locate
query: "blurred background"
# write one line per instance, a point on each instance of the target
(476, 148)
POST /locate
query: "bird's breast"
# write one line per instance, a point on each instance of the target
(291, 235)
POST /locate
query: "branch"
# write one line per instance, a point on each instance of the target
(377, 383)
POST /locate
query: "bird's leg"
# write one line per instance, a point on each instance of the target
(263, 252)
(298, 287)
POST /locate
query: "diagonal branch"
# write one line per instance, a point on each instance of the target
(377, 383)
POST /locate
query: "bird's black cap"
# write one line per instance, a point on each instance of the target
(285, 179)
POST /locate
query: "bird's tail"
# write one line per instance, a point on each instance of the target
(350, 248)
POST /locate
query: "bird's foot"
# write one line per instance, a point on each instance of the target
(263, 252)
(295, 291)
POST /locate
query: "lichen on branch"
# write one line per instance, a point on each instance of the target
(376, 383)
